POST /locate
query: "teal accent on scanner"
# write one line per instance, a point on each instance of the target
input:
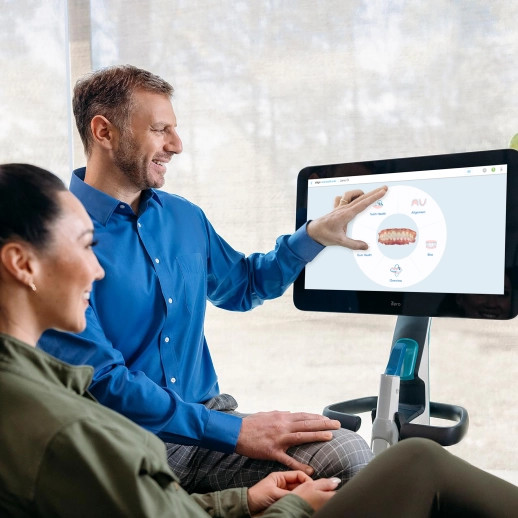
(410, 359)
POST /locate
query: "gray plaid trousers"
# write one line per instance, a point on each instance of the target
(201, 470)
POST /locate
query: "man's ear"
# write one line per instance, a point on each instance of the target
(103, 131)
(19, 260)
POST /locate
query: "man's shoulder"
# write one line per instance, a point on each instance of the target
(172, 201)
(169, 197)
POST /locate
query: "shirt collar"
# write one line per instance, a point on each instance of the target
(100, 205)
(36, 364)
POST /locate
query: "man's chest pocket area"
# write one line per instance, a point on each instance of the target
(192, 272)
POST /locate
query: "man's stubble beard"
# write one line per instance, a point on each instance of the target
(127, 161)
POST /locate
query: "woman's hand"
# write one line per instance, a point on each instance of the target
(278, 484)
(317, 492)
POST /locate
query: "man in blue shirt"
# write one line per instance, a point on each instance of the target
(163, 260)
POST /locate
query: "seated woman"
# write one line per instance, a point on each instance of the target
(63, 454)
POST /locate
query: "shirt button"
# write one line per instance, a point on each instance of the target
(122, 206)
(173, 380)
(170, 300)
(166, 339)
(157, 260)
(139, 225)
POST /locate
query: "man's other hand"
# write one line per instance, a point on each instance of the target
(267, 435)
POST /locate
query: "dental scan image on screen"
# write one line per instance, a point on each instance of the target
(431, 232)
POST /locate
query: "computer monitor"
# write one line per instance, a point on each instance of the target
(442, 241)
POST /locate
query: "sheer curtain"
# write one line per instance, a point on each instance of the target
(34, 85)
(266, 88)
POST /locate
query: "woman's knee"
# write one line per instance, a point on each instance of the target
(414, 449)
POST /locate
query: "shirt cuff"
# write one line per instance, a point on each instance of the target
(222, 431)
(304, 246)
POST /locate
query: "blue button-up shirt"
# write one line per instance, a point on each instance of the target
(144, 334)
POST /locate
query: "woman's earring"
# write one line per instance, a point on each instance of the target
(32, 286)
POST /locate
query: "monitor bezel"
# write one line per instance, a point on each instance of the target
(406, 303)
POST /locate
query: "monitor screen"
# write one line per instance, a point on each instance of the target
(442, 241)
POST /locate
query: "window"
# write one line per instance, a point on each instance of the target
(34, 89)
(264, 89)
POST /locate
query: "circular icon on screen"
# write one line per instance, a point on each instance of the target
(406, 236)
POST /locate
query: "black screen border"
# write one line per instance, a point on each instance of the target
(407, 303)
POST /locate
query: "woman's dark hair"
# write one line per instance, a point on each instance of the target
(28, 203)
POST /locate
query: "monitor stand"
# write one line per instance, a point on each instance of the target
(403, 408)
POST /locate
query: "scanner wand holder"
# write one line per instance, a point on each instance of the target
(401, 362)
(384, 429)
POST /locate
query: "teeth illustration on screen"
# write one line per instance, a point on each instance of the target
(397, 236)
